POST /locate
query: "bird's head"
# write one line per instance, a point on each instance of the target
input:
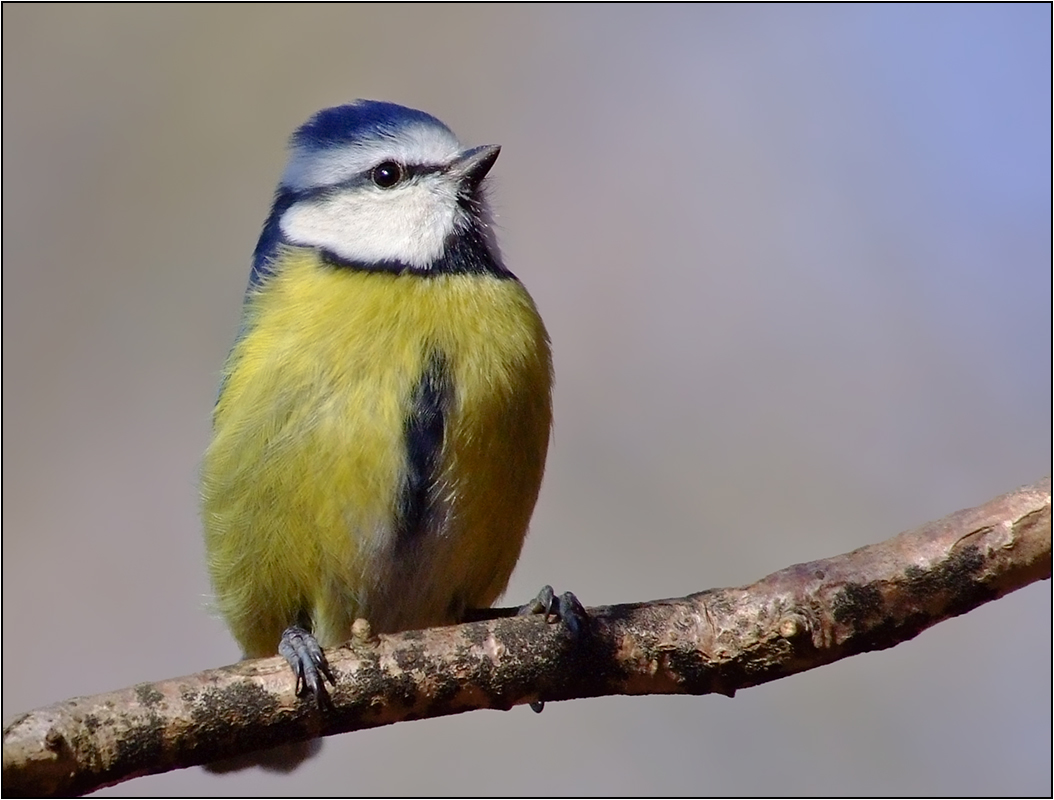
(377, 186)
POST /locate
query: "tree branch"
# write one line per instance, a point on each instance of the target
(719, 641)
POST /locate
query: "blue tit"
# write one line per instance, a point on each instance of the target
(384, 415)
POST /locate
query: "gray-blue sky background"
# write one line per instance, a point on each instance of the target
(796, 265)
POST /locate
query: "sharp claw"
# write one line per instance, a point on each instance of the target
(572, 613)
(305, 657)
(566, 609)
(542, 604)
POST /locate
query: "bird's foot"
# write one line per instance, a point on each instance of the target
(308, 663)
(565, 608)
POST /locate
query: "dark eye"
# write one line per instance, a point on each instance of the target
(388, 174)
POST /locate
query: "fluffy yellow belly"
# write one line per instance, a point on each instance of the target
(304, 483)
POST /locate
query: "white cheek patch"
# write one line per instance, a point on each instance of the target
(408, 224)
(310, 168)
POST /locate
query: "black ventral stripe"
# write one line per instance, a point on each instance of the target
(423, 430)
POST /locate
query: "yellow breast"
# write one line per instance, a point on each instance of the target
(303, 481)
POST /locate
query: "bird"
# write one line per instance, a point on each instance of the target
(384, 415)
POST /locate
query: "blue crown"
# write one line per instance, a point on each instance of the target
(358, 121)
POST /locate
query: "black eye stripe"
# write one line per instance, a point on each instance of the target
(366, 177)
(405, 171)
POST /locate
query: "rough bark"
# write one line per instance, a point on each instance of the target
(719, 640)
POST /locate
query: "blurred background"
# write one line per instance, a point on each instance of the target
(796, 265)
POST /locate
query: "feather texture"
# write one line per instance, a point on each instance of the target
(304, 484)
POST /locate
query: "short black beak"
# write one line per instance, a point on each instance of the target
(472, 166)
